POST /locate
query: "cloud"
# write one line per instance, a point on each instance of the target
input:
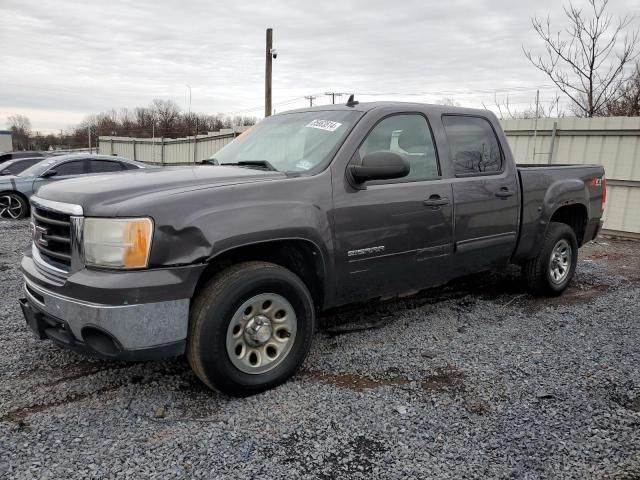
(62, 60)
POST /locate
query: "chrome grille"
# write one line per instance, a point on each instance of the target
(57, 229)
(52, 236)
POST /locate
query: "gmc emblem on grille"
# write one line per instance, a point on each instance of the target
(38, 235)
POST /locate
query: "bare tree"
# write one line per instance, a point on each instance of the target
(586, 61)
(448, 102)
(20, 126)
(19, 122)
(544, 109)
(161, 118)
(628, 102)
(167, 114)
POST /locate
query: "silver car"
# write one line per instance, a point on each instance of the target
(15, 190)
(14, 167)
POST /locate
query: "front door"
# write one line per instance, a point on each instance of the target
(396, 235)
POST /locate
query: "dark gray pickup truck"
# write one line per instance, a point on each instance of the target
(308, 210)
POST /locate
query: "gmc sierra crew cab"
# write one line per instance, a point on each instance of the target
(310, 209)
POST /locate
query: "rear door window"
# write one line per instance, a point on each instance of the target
(104, 166)
(473, 145)
(76, 167)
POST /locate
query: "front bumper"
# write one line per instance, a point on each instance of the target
(130, 316)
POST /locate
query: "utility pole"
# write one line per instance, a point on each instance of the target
(153, 137)
(89, 135)
(189, 119)
(333, 96)
(535, 126)
(311, 98)
(195, 143)
(189, 114)
(267, 73)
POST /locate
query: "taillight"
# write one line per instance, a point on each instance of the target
(604, 192)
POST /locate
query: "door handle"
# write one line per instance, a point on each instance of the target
(504, 192)
(436, 201)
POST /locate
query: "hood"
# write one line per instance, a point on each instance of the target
(111, 189)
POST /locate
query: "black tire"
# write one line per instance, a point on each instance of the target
(214, 308)
(537, 271)
(13, 206)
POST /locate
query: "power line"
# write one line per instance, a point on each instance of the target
(260, 107)
(333, 96)
(456, 92)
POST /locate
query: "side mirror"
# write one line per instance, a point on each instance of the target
(49, 173)
(5, 172)
(382, 165)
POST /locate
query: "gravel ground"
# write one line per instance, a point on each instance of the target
(474, 380)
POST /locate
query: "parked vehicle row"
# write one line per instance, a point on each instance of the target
(17, 188)
(308, 210)
(7, 156)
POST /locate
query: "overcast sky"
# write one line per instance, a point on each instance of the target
(62, 60)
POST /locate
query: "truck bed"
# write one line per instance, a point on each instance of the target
(537, 186)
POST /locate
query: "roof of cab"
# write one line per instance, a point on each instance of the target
(368, 106)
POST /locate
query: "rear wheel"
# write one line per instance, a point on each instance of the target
(250, 329)
(552, 270)
(12, 206)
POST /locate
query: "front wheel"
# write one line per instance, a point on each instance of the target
(12, 206)
(552, 270)
(250, 329)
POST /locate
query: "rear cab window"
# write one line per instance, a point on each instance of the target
(473, 144)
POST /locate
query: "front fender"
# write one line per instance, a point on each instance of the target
(203, 235)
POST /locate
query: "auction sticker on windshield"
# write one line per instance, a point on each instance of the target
(327, 125)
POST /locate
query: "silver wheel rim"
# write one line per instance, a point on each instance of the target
(10, 207)
(560, 262)
(261, 333)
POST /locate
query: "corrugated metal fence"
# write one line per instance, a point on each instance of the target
(612, 141)
(168, 151)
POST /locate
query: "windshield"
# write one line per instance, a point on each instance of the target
(37, 169)
(294, 142)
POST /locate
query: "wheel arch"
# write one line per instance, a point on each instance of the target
(299, 255)
(575, 215)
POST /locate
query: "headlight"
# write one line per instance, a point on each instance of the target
(117, 242)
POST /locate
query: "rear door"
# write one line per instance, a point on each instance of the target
(104, 166)
(392, 235)
(485, 188)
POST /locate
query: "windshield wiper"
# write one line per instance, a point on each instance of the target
(258, 164)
